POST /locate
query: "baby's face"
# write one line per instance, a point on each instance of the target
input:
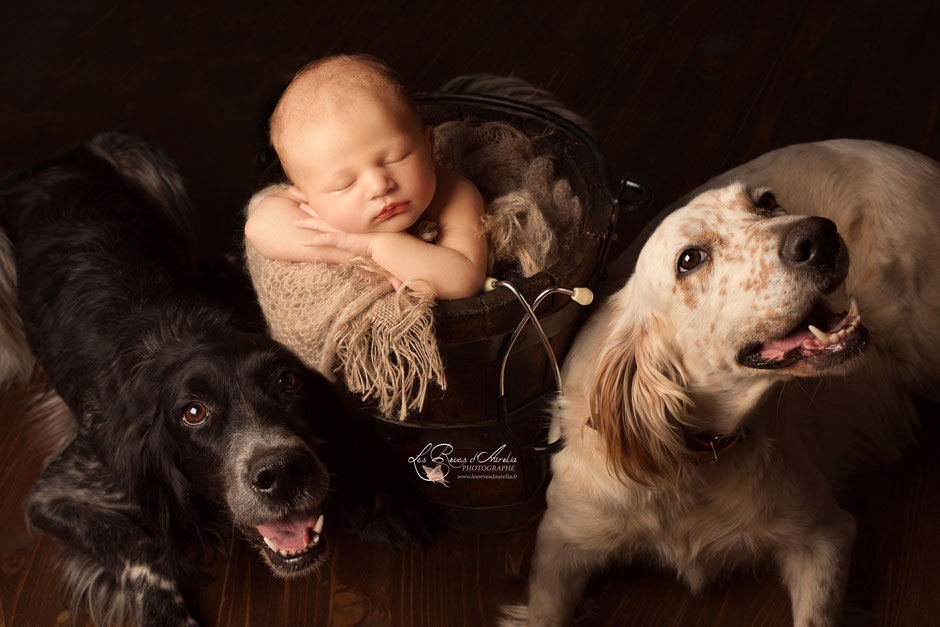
(363, 170)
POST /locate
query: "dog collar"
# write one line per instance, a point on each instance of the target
(707, 447)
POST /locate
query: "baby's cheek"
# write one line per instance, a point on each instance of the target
(348, 216)
(426, 182)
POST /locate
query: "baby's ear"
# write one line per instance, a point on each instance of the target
(429, 136)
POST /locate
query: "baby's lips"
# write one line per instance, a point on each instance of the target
(392, 209)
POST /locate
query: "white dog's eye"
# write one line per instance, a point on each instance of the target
(690, 259)
(767, 202)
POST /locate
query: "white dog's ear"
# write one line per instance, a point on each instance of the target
(639, 404)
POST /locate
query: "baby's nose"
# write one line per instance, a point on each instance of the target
(380, 184)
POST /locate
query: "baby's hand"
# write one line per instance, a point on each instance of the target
(359, 244)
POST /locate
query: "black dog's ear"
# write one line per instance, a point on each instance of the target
(148, 457)
(165, 492)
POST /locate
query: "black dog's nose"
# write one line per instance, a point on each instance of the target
(812, 242)
(281, 475)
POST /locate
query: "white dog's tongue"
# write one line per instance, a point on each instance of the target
(291, 533)
(778, 349)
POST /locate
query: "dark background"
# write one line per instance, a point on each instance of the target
(677, 92)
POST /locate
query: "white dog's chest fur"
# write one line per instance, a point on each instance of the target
(719, 521)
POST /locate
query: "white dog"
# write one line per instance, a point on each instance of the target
(716, 400)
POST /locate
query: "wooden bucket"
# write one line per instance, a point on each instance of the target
(476, 460)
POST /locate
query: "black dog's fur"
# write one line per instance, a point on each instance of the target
(100, 235)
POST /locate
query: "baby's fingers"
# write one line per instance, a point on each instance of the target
(323, 239)
(306, 223)
(315, 224)
(308, 210)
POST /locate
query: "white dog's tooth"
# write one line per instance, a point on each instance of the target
(833, 338)
(822, 337)
(317, 528)
(271, 544)
(853, 306)
(315, 541)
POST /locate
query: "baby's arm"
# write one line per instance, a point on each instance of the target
(270, 229)
(456, 265)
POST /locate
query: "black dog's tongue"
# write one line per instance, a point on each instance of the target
(292, 533)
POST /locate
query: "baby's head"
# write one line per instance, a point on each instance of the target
(349, 137)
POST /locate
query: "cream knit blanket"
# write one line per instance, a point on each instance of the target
(346, 319)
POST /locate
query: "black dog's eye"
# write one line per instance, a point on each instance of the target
(690, 259)
(288, 381)
(767, 202)
(195, 414)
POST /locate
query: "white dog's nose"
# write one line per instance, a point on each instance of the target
(813, 241)
(814, 247)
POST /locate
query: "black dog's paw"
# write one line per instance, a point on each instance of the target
(400, 523)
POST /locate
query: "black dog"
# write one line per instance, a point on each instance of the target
(186, 424)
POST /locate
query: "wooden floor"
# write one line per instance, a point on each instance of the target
(677, 90)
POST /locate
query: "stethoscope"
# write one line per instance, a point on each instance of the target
(582, 296)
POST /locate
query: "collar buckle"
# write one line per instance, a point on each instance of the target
(706, 448)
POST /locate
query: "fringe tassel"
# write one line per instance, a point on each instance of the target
(392, 364)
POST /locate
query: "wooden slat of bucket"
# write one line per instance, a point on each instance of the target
(478, 493)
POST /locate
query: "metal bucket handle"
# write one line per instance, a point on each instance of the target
(581, 295)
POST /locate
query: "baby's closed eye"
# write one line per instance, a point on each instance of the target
(341, 186)
(397, 158)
